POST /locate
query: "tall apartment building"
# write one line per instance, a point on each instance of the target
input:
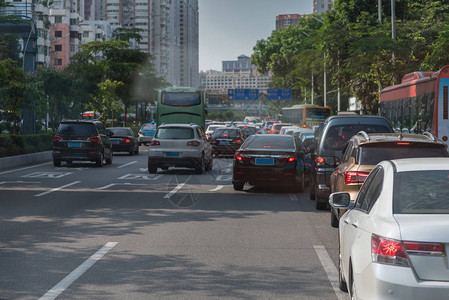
(283, 21)
(36, 14)
(235, 74)
(184, 47)
(160, 35)
(320, 6)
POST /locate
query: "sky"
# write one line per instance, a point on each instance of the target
(229, 28)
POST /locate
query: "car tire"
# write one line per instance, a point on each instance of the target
(69, 162)
(131, 151)
(341, 282)
(209, 165)
(109, 159)
(352, 291)
(312, 190)
(334, 219)
(152, 169)
(200, 168)
(137, 150)
(99, 161)
(56, 162)
(319, 205)
(299, 185)
(238, 186)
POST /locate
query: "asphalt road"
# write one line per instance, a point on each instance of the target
(117, 232)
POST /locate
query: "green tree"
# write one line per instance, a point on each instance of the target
(107, 100)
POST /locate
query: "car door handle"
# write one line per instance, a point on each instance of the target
(346, 220)
(355, 224)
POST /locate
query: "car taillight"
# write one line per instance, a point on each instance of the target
(319, 160)
(287, 158)
(388, 251)
(420, 248)
(237, 141)
(126, 141)
(154, 143)
(193, 143)
(56, 138)
(403, 143)
(94, 139)
(241, 157)
(355, 177)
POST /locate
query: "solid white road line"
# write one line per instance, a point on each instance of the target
(57, 189)
(26, 168)
(219, 187)
(125, 165)
(177, 188)
(331, 271)
(69, 279)
(106, 186)
(293, 197)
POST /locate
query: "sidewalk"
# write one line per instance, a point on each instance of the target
(24, 160)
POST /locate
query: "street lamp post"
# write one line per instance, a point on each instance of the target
(324, 67)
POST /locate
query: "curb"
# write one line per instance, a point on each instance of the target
(24, 160)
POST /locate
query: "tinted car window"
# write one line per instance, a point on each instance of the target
(423, 192)
(77, 129)
(249, 130)
(120, 131)
(337, 136)
(226, 133)
(373, 155)
(269, 142)
(174, 133)
(181, 99)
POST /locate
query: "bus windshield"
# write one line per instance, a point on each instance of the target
(317, 113)
(181, 99)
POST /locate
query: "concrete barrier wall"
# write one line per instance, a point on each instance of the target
(24, 160)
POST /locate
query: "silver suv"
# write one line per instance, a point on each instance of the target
(180, 145)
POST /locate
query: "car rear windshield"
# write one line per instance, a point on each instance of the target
(270, 142)
(226, 133)
(175, 133)
(249, 130)
(421, 192)
(373, 154)
(181, 99)
(337, 136)
(77, 129)
(120, 131)
(148, 127)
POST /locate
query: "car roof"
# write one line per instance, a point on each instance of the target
(81, 121)
(363, 138)
(178, 125)
(416, 164)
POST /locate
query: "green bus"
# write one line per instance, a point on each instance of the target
(181, 105)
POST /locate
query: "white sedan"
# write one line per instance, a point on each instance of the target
(394, 240)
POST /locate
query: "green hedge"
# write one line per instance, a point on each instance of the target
(14, 144)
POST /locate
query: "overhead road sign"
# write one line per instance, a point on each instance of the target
(279, 94)
(243, 94)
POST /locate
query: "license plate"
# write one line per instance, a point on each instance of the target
(264, 161)
(115, 141)
(172, 154)
(74, 144)
(224, 142)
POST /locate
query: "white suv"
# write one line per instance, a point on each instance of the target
(180, 145)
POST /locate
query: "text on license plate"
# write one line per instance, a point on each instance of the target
(224, 142)
(264, 161)
(172, 154)
(115, 141)
(74, 144)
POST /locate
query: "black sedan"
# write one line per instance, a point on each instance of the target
(225, 140)
(268, 159)
(124, 140)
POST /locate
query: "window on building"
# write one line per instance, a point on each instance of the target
(72, 49)
(86, 34)
(58, 19)
(58, 62)
(58, 48)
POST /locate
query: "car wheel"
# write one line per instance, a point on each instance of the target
(238, 186)
(152, 169)
(131, 151)
(99, 161)
(137, 150)
(109, 159)
(311, 190)
(56, 162)
(334, 220)
(200, 166)
(352, 291)
(209, 164)
(319, 205)
(299, 185)
(69, 162)
(341, 281)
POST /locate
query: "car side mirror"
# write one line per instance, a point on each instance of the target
(341, 200)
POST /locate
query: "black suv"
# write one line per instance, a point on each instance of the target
(331, 138)
(226, 140)
(82, 141)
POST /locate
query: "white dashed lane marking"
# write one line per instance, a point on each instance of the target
(57, 189)
(331, 271)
